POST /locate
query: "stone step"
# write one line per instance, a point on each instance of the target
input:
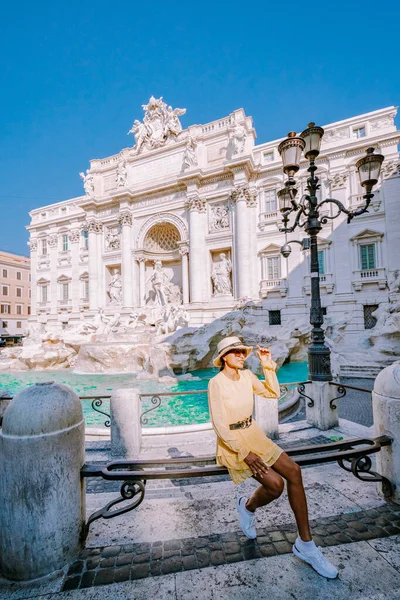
(366, 371)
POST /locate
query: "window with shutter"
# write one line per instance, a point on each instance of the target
(367, 256)
(321, 262)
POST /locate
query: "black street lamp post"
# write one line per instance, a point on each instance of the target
(307, 216)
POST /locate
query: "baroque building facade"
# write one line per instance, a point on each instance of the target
(190, 217)
(15, 294)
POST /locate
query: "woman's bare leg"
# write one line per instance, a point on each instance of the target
(271, 488)
(291, 471)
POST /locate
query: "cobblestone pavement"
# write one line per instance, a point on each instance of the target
(112, 564)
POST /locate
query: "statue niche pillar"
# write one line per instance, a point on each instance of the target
(197, 231)
(74, 238)
(128, 282)
(94, 228)
(142, 281)
(243, 199)
(184, 252)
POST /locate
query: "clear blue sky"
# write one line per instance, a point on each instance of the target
(74, 75)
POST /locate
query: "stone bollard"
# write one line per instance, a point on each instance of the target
(266, 414)
(386, 410)
(42, 449)
(126, 429)
(321, 415)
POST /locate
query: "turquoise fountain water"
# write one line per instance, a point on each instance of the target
(174, 410)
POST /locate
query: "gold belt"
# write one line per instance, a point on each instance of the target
(242, 424)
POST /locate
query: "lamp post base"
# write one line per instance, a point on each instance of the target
(319, 363)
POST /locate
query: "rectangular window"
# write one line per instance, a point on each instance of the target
(44, 247)
(19, 275)
(44, 293)
(19, 292)
(367, 256)
(274, 317)
(5, 273)
(273, 268)
(268, 156)
(65, 242)
(5, 309)
(19, 324)
(5, 290)
(65, 291)
(29, 310)
(86, 290)
(323, 309)
(369, 320)
(5, 324)
(269, 201)
(85, 239)
(29, 293)
(359, 132)
(30, 278)
(321, 262)
(19, 309)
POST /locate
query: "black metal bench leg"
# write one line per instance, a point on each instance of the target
(129, 489)
(361, 468)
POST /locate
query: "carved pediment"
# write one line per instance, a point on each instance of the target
(367, 234)
(271, 249)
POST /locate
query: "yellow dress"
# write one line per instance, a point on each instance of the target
(232, 401)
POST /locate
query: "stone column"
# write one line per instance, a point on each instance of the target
(142, 282)
(267, 415)
(42, 499)
(321, 414)
(33, 244)
(52, 242)
(93, 228)
(243, 199)
(197, 230)
(128, 283)
(126, 429)
(386, 410)
(75, 237)
(184, 252)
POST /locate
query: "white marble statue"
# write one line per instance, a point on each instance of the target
(160, 283)
(219, 218)
(394, 281)
(114, 289)
(189, 156)
(112, 240)
(88, 182)
(237, 137)
(221, 276)
(122, 174)
(160, 122)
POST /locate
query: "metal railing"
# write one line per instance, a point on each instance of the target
(342, 391)
(156, 399)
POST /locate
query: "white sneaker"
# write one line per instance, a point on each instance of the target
(246, 518)
(316, 559)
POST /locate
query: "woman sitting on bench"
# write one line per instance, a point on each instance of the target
(244, 449)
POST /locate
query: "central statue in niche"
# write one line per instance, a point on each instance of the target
(164, 291)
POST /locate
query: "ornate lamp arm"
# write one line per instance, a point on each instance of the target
(350, 213)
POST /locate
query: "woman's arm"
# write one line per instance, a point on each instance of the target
(220, 422)
(270, 387)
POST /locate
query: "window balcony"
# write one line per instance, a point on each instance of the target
(363, 276)
(356, 201)
(273, 285)
(266, 218)
(326, 282)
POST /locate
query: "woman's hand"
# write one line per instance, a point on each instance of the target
(265, 357)
(257, 466)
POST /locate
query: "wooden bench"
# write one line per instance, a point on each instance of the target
(352, 455)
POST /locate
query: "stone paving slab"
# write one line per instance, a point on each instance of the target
(116, 563)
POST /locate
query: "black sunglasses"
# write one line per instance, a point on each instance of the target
(237, 352)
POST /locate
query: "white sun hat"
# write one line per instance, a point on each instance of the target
(227, 344)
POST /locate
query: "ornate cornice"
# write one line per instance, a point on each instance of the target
(75, 235)
(243, 192)
(125, 218)
(94, 226)
(338, 180)
(195, 203)
(52, 240)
